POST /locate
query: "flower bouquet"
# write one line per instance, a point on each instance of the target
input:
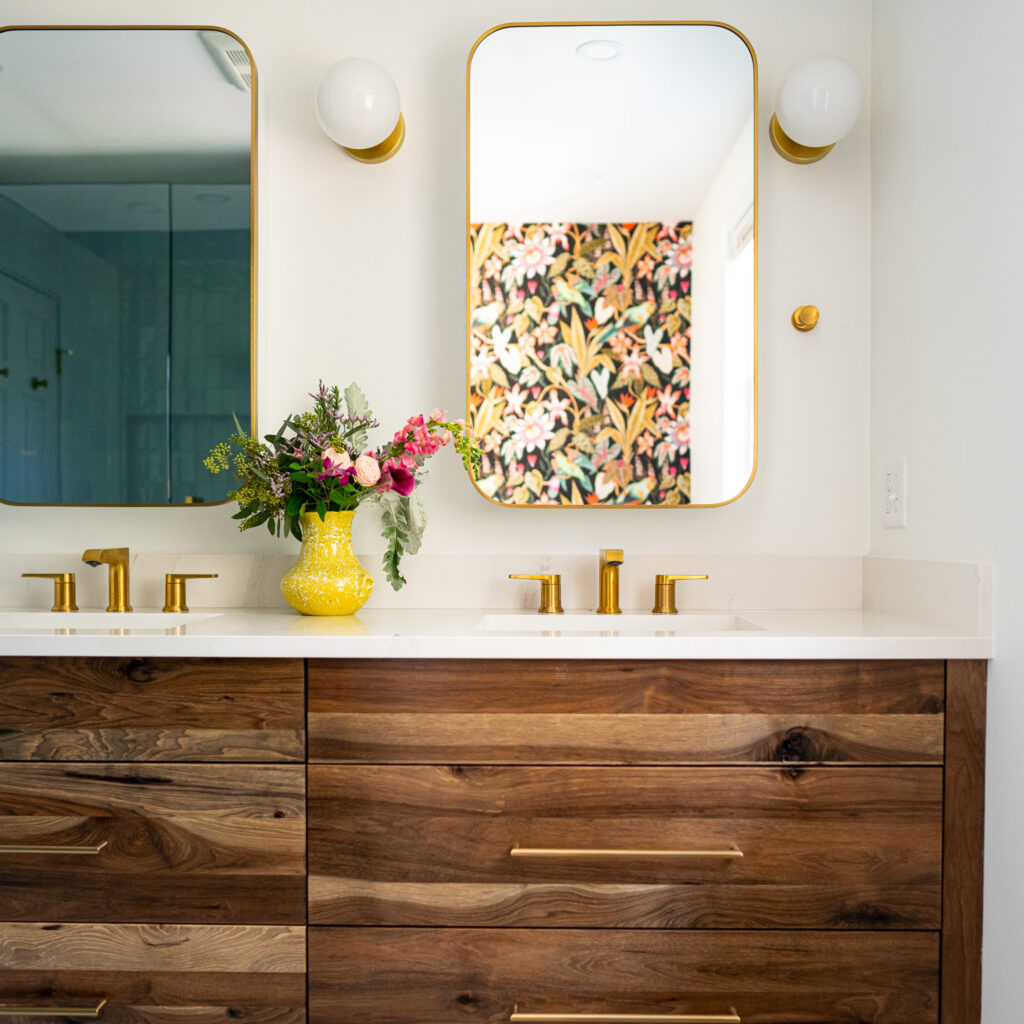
(320, 461)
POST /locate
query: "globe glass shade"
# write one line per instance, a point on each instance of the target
(357, 103)
(819, 101)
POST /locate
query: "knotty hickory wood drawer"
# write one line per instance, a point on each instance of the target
(151, 709)
(182, 843)
(153, 974)
(489, 975)
(709, 847)
(636, 712)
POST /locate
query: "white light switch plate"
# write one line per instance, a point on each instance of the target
(894, 493)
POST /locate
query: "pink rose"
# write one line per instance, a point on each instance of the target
(367, 470)
(335, 462)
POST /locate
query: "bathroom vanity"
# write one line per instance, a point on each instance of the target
(426, 838)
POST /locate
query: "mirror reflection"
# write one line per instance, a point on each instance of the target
(612, 236)
(125, 262)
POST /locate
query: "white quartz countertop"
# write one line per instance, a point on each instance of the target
(474, 633)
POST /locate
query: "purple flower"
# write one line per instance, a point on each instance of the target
(397, 479)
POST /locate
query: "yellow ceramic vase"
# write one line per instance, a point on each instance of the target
(327, 579)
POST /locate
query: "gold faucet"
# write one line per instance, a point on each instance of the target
(611, 559)
(117, 559)
(550, 591)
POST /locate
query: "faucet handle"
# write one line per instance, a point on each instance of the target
(665, 592)
(174, 588)
(63, 589)
(550, 591)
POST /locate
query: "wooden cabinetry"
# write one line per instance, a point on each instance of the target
(143, 890)
(490, 842)
(561, 841)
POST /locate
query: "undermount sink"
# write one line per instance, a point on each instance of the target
(101, 620)
(682, 624)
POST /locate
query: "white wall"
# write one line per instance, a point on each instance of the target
(362, 276)
(947, 360)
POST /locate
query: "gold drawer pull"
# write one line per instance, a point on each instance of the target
(523, 851)
(631, 1018)
(89, 850)
(53, 1011)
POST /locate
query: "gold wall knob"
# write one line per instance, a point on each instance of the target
(665, 593)
(805, 318)
(550, 591)
(63, 589)
(174, 588)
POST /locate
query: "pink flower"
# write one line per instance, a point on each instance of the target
(439, 415)
(367, 470)
(334, 462)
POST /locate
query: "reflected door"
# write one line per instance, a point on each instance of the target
(29, 456)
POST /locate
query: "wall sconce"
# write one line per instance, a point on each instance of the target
(817, 104)
(358, 107)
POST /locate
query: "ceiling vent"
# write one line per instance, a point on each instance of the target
(231, 57)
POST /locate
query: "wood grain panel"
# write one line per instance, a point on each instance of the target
(184, 843)
(156, 974)
(626, 739)
(151, 709)
(609, 686)
(608, 712)
(423, 976)
(822, 848)
(963, 849)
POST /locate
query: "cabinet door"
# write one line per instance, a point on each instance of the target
(152, 974)
(636, 712)
(626, 847)
(488, 975)
(175, 843)
(151, 709)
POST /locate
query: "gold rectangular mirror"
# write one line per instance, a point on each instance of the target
(612, 239)
(127, 334)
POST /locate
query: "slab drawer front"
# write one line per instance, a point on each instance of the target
(821, 848)
(609, 712)
(129, 842)
(154, 974)
(425, 976)
(151, 709)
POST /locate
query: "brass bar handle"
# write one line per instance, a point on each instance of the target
(174, 588)
(63, 589)
(529, 851)
(631, 1018)
(665, 592)
(24, 848)
(550, 591)
(53, 1011)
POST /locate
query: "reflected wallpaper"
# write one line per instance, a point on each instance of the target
(579, 376)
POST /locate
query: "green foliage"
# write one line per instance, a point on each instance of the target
(309, 466)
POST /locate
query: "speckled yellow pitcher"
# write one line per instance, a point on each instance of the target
(327, 579)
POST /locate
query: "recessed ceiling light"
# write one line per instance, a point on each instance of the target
(212, 198)
(599, 49)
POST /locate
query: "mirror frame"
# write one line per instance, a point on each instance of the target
(468, 227)
(253, 234)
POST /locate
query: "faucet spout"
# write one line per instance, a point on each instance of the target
(117, 560)
(610, 560)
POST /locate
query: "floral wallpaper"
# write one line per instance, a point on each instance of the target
(579, 376)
